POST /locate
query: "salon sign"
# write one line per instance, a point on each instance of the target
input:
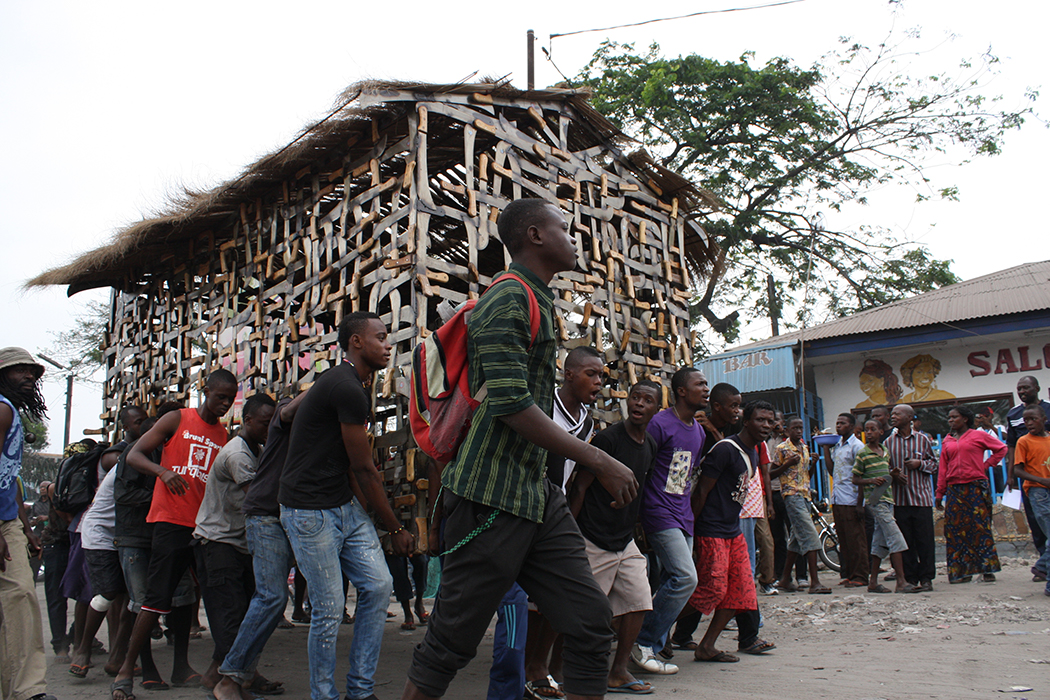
(1009, 360)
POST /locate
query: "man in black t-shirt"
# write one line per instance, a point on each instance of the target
(327, 527)
(726, 585)
(619, 567)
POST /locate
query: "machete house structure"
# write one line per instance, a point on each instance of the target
(389, 204)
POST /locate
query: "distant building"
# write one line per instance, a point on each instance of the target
(967, 343)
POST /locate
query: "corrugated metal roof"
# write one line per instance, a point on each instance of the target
(1012, 291)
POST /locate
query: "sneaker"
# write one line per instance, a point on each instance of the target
(731, 625)
(767, 589)
(1038, 575)
(926, 586)
(645, 660)
(802, 583)
(667, 652)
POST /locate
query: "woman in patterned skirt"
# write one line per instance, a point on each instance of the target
(962, 481)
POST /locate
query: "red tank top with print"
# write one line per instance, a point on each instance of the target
(189, 453)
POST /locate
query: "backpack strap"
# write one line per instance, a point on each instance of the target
(747, 458)
(534, 306)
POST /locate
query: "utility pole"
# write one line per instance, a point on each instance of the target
(530, 42)
(774, 310)
(69, 396)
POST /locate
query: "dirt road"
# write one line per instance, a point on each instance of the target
(973, 640)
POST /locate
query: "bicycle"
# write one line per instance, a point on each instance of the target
(829, 540)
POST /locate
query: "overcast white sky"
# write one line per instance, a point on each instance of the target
(109, 106)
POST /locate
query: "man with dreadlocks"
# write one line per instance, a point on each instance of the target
(22, 663)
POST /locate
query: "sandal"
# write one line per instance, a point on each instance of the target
(787, 587)
(78, 670)
(408, 625)
(633, 688)
(543, 689)
(155, 685)
(722, 657)
(191, 681)
(759, 646)
(878, 589)
(964, 579)
(909, 589)
(819, 590)
(123, 687)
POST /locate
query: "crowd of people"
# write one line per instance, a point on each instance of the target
(571, 538)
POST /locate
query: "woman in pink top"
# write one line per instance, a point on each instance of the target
(963, 480)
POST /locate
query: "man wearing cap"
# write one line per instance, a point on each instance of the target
(22, 663)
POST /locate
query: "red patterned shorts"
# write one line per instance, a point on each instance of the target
(723, 570)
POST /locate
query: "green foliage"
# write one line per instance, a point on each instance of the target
(37, 467)
(39, 430)
(80, 348)
(780, 144)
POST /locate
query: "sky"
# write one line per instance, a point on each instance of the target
(110, 107)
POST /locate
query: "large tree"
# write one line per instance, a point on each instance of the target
(781, 146)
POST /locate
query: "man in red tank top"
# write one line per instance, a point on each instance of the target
(191, 439)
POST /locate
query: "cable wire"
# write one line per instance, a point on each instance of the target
(668, 19)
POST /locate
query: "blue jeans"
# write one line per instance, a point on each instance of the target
(271, 560)
(329, 544)
(675, 552)
(507, 675)
(1040, 499)
(747, 526)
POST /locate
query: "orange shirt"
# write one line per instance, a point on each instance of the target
(1034, 453)
(189, 453)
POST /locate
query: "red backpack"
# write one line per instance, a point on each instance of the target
(441, 407)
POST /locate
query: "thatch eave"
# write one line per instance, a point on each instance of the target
(136, 249)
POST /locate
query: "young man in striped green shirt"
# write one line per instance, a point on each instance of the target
(504, 522)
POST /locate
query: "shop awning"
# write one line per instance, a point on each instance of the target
(753, 370)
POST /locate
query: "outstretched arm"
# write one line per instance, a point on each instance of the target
(538, 428)
(138, 455)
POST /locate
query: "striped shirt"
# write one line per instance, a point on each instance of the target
(869, 465)
(495, 466)
(919, 489)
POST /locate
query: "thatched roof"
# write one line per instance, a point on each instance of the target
(142, 245)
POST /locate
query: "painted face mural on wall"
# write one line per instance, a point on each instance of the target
(879, 384)
(920, 373)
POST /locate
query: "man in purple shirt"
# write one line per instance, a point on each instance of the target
(666, 514)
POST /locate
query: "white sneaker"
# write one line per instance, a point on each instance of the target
(645, 659)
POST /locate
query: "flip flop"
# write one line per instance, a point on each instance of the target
(787, 587)
(408, 626)
(632, 688)
(722, 657)
(757, 647)
(879, 589)
(155, 685)
(819, 590)
(910, 589)
(190, 682)
(123, 687)
(687, 646)
(78, 670)
(424, 617)
(854, 584)
(543, 689)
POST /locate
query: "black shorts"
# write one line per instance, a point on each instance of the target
(104, 572)
(170, 556)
